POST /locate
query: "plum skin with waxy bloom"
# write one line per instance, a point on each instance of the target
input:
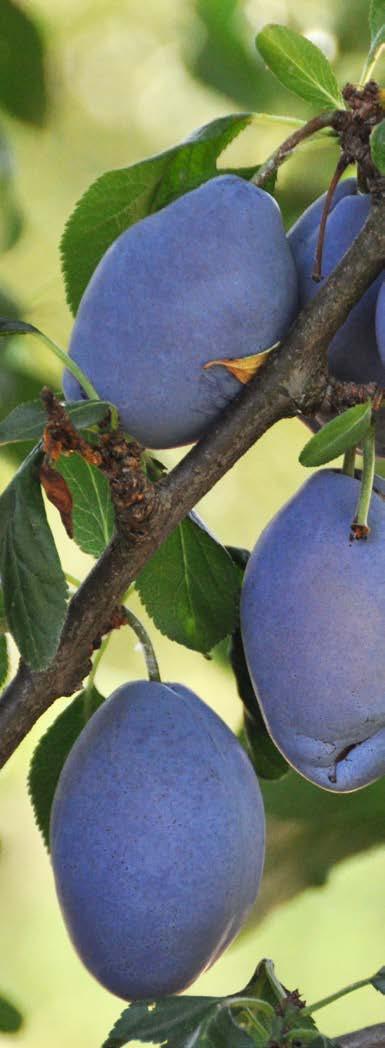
(157, 840)
(210, 276)
(313, 625)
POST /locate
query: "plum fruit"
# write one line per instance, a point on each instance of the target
(210, 276)
(353, 353)
(313, 622)
(157, 839)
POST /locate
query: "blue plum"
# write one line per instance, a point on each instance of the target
(313, 626)
(353, 352)
(210, 276)
(157, 840)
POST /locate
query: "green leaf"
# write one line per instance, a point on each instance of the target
(377, 146)
(342, 433)
(10, 215)
(119, 198)
(23, 91)
(27, 421)
(378, 980)
(191, 587)
(300, 66)
(34, 586)
(51, 752)
(10, 1018)
(327, 829)
(224, 1032)
(4, 660)
(376, 18)
(172, 1021)
(93, 515)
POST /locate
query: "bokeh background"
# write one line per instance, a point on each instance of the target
(124, 80)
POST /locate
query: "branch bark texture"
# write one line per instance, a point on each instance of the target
(294, 380)
(370, 1037)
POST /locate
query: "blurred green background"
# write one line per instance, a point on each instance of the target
(126, 80)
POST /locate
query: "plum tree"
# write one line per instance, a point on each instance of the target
(313, 618)
(210, 276)
(157, 839)
(354, 354)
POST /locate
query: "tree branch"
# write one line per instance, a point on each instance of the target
(370, 1037)
(294, 379)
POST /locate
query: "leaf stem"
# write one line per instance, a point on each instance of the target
(19, 327)
(310, 1008)
(147, 647)
(349, 462)
(271, 165)
(72, 580)
(360, 525)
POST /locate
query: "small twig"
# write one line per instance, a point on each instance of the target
(341, 167)
(271, 165)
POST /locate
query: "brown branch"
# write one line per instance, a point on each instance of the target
(370, 1037)
(294, 379)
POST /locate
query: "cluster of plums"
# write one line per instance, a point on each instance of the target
(157, 829)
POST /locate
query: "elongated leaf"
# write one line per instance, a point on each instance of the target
(376, 18)
(10, 1018)
(52, 751)
(266, 759)
(378, 980)
(93, 515)
(337, 436)
(377, 144)
(300, 66)
(120, 198)
(191, 587)
(23, 91)
(10, 214)
(27, 421)
(34, 586)
(4, 660)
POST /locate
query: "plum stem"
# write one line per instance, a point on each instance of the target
(273, 162)
(360, 527)
(147, 647)
(310, 1008)
(341, 167)
(349, 462)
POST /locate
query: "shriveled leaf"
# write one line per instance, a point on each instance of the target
(27, 421)
(34, 585)
(23, 89)
(4, 660)
(243, 368)
(51, 752)
(300, 66)
(342, 433)
(119, 198)
(191, 587)
(10, 1017)
(93, 516)
(377, 144)
(172, 1022)
(378, 980)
